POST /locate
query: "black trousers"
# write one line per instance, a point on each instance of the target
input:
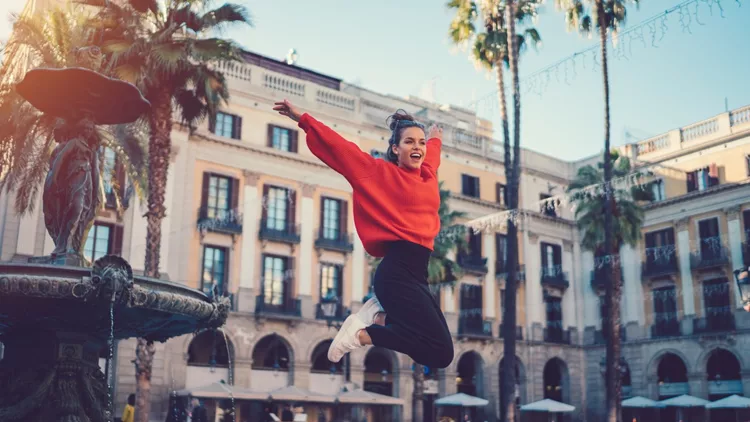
(414, 323)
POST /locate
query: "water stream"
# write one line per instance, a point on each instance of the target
(231, 374)
(110, 359)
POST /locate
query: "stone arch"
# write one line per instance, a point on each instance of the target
(723, 374)
(652, 368)
(264, 340)
(381, 362)
(310, 347)
(187, 339)
(470, 370)
(702, 361)
(556, 380)
(319, 362)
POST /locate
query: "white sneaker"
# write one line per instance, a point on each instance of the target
(347, 339)
(369, 311)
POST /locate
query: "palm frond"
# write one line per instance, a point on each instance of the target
(226, 14)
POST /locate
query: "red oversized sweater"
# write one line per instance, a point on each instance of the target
(390, 203)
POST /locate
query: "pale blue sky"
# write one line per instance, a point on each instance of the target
(399, 47)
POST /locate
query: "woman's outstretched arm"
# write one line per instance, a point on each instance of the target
(434, 148)
(339, 154)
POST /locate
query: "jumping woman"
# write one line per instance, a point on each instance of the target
(395, 206)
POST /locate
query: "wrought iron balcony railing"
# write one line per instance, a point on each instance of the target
(659, 267)
(716, 320)
(219, 220)
(666, 328)
(472, 263)
(285, 307)
(556, 335)
(519, 332)
(279, 231)
(337, 241)
(474, 326)
(555, 277)
(331, 310)
(712, 253)
(501, 272)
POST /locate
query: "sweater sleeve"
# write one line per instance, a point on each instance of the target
(432, 158)
(339, 154)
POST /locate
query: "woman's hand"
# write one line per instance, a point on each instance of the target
(435, 132)
(285, 108)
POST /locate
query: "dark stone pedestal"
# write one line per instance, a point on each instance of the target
(52, 377)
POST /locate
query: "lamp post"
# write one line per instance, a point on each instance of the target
(742, 277)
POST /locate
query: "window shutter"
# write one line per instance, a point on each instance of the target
(263, 258)
(234, 185)
(237, 127)
(269, 140)
(464, 184)
(558, 255)
(476, 187)
(204, 194)
(289, 279)
(225, 281)
(670, 237)
(544, 255)
(290, 209)
(212, 123)
(264, 205)
(340, 284)
(344, 218)
(703, 229)
(116, 240)
(650, 240)
(293, 141)
(713, 175)
(321, 228)
(691, 181)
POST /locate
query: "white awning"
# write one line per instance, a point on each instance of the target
(547, 405)
(295, 394)
(732, 402)
(685, 401)
(641, 402)
(219, 390)
(461, 399)
(367, 397)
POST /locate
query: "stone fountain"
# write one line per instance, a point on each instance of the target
(56, 312)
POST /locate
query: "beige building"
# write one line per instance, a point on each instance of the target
(251, 213)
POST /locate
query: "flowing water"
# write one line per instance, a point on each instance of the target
(110, 358)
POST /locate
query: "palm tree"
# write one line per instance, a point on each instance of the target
(164, 48)
(498, 46)
(441, 269)
(609, 16)
(624, 229)
(53, 40)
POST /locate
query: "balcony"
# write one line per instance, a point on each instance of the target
(709, 256)
(667, 328)
(659, 267)
(331, 310)
(519, 332)
(501, 272)
(334, 241)
(219, 221)
(472, 263)
(715, 322)
(556, 335)
(474, 326)
(600, 336)
(598, 277)
(279, 232)
(555, 277)
(286, 309)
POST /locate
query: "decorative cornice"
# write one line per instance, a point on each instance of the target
(567, 245)
(693, 195)
(533, 237)
(682, 224)
(733, 212)
(308, 190)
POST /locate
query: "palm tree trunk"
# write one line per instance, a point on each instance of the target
(612, 284)
(417, 413)
(508, 408)
(160, 123)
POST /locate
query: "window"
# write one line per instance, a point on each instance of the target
(108, 170)
(228, 125)
(330, 282)
(333, 218)
(716, 299)
(554, 317)
(658, 245)
(551, 260)
(282, 138)
(665, 310)
(710, 239)
(475, 244)
(98, 242)
(278, 208)
(501, 194)
(657, 191)
(470, 186)
(501, 248)
(702, 179)
(747, 165)
(214, 271)
(547, 209)
(217, 194)
(275, 279)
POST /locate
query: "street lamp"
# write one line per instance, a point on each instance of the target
(742, 276)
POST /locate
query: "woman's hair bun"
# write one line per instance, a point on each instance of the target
(393, 120)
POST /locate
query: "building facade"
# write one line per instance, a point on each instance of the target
(252, 214)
